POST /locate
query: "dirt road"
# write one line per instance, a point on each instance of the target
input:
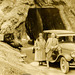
(54, 69)
(11, 63)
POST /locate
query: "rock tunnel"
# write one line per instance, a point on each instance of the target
(40, 19)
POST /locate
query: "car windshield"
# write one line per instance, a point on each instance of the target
(64, 39)
(61, 39)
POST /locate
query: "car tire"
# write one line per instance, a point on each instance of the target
(64, 65)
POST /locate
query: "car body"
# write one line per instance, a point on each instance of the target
(66, 41)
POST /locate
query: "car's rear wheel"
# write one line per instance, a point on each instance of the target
(64, 65)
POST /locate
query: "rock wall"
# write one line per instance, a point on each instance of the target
(69, 11)
(13, 13)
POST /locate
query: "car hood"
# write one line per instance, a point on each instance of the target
(69, 46)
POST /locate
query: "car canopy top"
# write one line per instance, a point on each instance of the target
(60, 32)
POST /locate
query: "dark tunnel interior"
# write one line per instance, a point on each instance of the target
(40, 19)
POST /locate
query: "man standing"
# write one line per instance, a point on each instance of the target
(40, 49)
(52, 44)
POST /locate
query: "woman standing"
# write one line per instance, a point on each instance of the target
(51, 45)
(40, 49)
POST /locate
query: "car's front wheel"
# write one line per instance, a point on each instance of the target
(64, 65)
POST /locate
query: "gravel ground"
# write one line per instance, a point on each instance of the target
(11, 64)
(54, 69)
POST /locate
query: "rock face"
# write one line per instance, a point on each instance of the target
(63, 19)
(69, 11)
(13, 14)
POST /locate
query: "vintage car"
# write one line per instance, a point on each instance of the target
(66, 41)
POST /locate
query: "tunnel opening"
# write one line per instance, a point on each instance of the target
(40, 19)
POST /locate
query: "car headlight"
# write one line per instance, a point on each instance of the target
(73, 54)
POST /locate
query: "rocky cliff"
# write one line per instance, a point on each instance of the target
(13, 13)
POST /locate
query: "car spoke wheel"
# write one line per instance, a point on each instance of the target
(64, 65)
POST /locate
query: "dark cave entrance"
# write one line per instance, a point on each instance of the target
(40, 19)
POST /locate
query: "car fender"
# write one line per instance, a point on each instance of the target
(66, 56)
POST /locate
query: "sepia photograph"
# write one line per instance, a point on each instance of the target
(37, 37)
